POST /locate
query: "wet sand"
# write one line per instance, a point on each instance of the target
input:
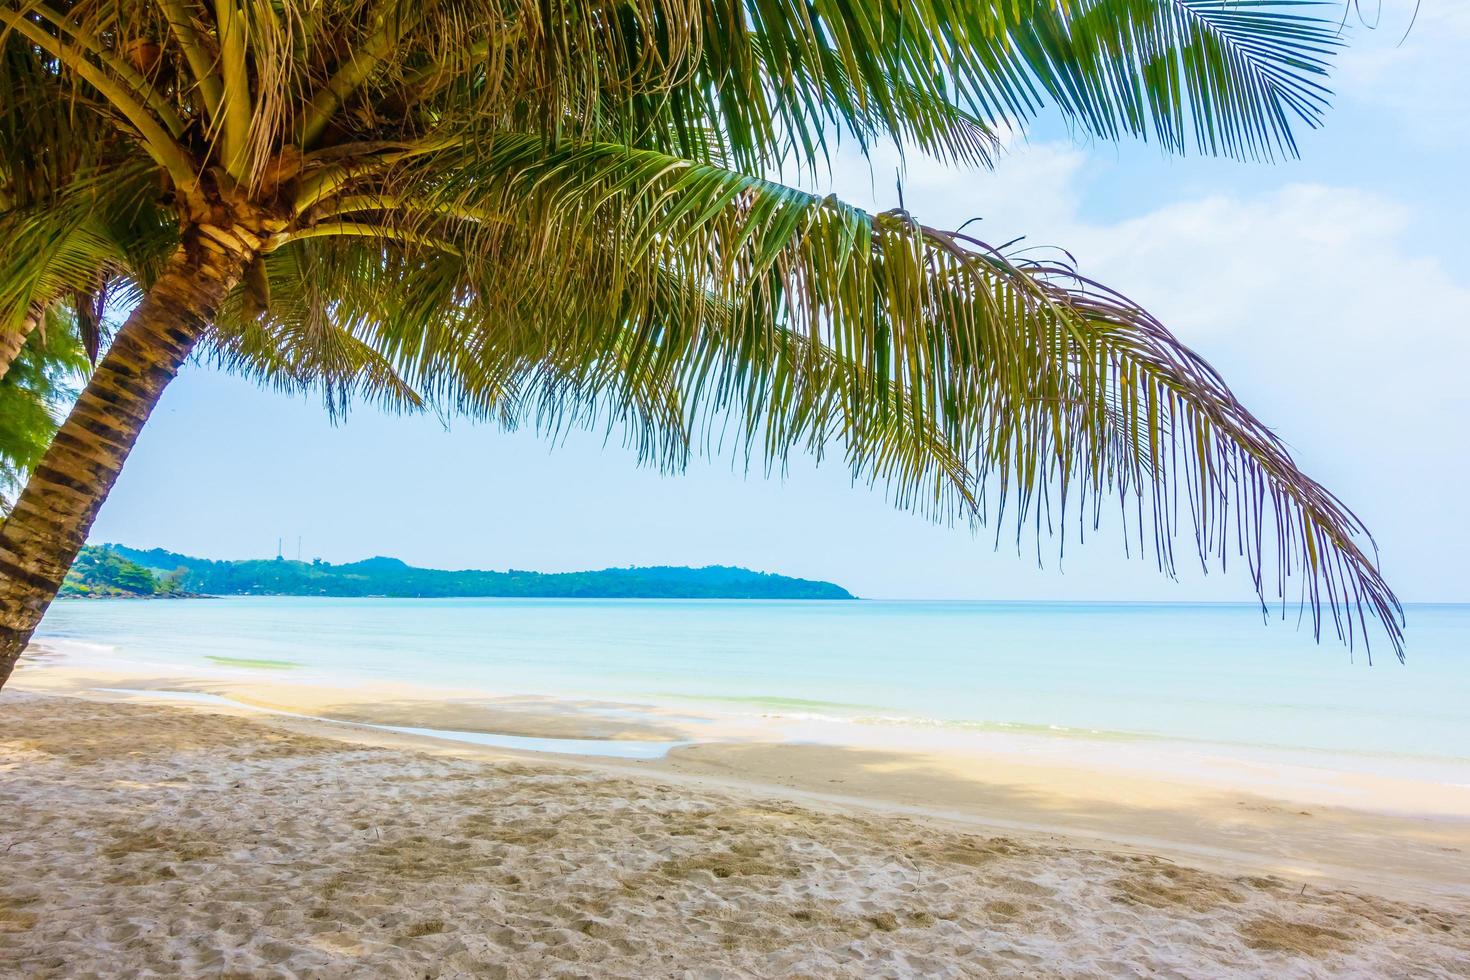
(204, 839)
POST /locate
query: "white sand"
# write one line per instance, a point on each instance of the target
(149, 840)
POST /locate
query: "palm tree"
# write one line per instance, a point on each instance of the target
(565, 212)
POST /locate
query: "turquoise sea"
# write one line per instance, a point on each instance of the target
(1209, 674)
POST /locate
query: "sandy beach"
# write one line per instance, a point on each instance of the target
(212, 838)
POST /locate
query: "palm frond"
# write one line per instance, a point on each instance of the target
(1230, 76)
(33, 392)
(1045, 384)
(96, 227)
(297, 345)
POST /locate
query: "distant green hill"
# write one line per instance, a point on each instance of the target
(102, 571)
(99, 570)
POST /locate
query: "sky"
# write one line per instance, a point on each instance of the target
(1333, 293)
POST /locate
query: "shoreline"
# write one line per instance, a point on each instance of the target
(1395, 835)
(288, 685)
(198, 839)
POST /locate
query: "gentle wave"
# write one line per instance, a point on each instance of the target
(1047, 730)
(764, 701)
(63, 643)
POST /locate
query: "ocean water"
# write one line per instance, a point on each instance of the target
(1206, 674)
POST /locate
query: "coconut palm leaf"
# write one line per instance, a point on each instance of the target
(32, 394)
(1062, 388)
(1233, 74)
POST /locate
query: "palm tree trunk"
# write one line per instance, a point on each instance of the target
(11, 343)
(49, 524)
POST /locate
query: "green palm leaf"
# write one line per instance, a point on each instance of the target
(32, 394)
(1060, 390)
